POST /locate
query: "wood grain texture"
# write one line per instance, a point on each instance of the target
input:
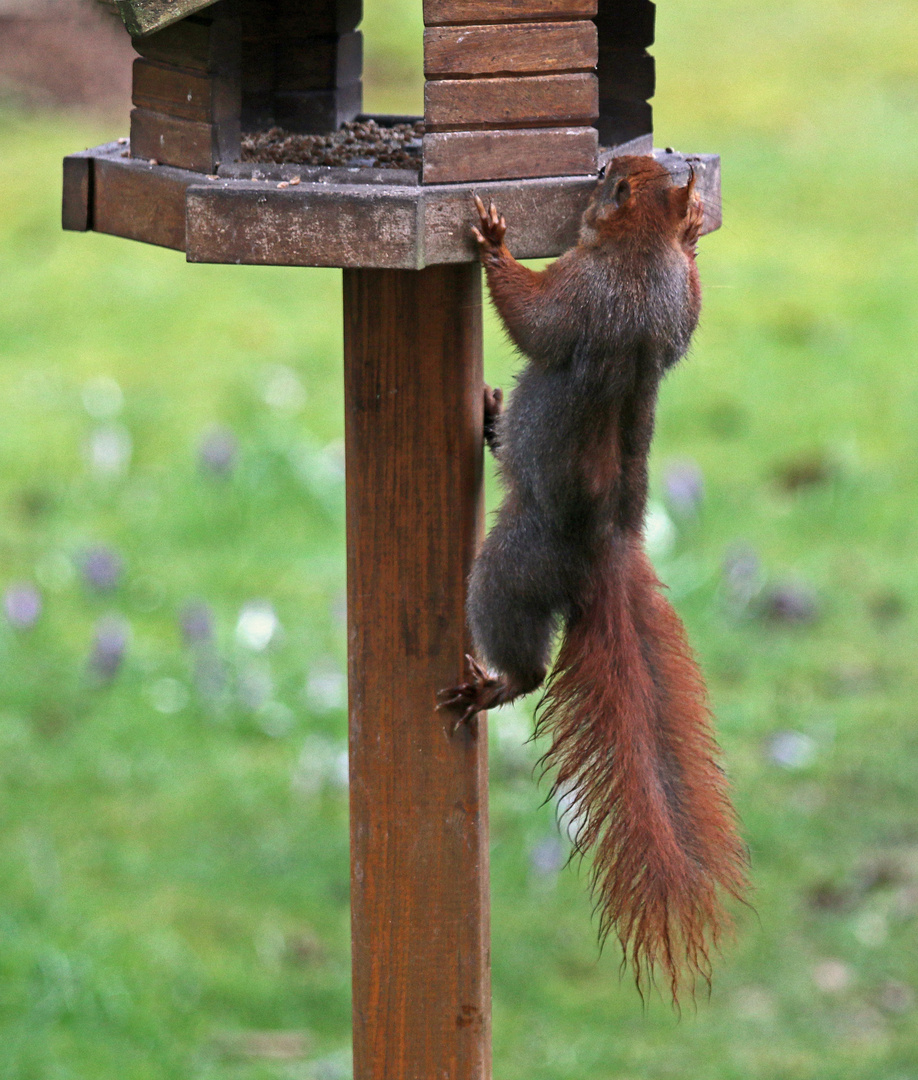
(76, 204)
(457, 156)
(147, 16)
(446, 12)
(525, 101)
(419, 816)
(190, 117)
(169, 140)
(176, 91)
(140, 201)
(503, 49)
(261, 224)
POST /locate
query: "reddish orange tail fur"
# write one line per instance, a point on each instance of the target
(632, 743)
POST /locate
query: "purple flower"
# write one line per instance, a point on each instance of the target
(790, 602)
(197, 623)
(742, 574)
(791, 749)
(109, 646)
(683, 483)
(547, 857)
(217, 451)
(22, 604)
(102, 568)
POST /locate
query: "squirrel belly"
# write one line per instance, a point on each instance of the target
(625, 706)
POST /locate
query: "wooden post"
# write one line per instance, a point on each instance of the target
(419, 835)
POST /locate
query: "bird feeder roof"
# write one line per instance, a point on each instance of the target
(145, 16)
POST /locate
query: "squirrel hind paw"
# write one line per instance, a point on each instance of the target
(482, 691)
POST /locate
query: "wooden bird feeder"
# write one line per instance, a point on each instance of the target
(524, 100)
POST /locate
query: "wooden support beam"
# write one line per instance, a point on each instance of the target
(419, 818)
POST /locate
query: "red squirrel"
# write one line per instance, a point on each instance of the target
(625, 705)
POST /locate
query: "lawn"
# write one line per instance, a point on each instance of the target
(173, 820)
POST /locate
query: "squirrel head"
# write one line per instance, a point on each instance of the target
(636, 197)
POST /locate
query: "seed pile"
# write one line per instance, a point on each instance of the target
(356, 143)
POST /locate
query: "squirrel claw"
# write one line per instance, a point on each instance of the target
(491, 226)
(481, 692)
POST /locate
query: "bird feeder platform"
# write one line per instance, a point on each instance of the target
(364, 216)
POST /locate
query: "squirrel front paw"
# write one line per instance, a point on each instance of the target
(490, 231)
(493, 407)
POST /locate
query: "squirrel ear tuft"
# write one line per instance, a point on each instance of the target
(621, 193)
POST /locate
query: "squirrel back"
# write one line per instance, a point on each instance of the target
(625, 706)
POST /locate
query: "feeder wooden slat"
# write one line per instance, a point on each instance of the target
(76, 206)
(457, 156)
(186, 44)
(187, 117)
(419, 804)
(169, 140)
(140, 201)
(549, 100)
(445, 12)
(243, 222)
(506, 49)
(179, 92)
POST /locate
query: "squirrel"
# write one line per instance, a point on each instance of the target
(625, 706)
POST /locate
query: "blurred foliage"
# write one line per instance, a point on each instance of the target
(173, 849)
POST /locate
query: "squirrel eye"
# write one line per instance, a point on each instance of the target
(602, 172)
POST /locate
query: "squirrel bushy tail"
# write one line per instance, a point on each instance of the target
(626, 710)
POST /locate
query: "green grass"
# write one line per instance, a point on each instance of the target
(173, 862)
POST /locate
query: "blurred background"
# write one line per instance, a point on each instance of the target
(173, 820)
